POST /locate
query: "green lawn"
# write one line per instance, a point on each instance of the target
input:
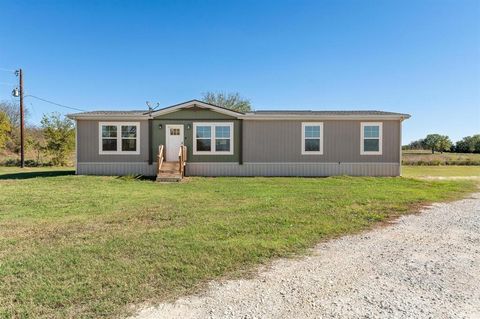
(90, 247)
(441, 171)
(425, 157)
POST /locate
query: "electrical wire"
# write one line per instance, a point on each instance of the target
(54, 103)
(7, 70)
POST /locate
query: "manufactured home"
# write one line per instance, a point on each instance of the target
(195, 138)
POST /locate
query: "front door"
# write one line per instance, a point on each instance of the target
(174, 139)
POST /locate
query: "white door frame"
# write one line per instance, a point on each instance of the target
(167, 135)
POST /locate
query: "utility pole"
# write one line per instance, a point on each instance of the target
(22, 120)
(19, 73)
(19, 93)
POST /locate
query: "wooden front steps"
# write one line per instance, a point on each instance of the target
(169, 172)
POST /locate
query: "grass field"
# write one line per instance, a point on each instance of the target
(90, 247)
(425, 157)
(441, 171)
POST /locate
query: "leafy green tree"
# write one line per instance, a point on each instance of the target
(476, 139)
(59, 134)
(437, 142)
(469, 144)
(5, 129)
(36, 143)
(416, 145)
(445, 144)
(232, 101)
(13, 114)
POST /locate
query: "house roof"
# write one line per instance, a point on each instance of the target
(127, 113)
(307, 112)
(254, 115)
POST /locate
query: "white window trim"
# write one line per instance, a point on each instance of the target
(362, 138)
(119, 138)
(320, 152)
(212, 138)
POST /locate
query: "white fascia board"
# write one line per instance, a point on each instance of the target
(109, 117)
(323, 117)
(196, 104)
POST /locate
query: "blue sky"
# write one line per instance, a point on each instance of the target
(418, 57)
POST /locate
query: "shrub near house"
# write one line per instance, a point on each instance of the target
(59, 133)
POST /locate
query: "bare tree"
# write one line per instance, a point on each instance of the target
(13, 112)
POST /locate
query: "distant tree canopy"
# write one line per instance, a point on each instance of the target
(433, 142)
(437, 142)
(12, 112)
(440, 143)
(55, 136)
(469, 144)
(5, 129)
(232, 101)
(59, 134)
(416, 145)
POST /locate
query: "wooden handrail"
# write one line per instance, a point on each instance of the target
(182, 159)
(160, 158)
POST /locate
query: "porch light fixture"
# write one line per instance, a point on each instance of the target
(189, 126)
(160, 126)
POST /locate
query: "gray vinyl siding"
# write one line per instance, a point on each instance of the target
(293, 169)
(88, 144)
(270, 148)
(280, 142)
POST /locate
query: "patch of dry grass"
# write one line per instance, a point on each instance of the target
(426, 158)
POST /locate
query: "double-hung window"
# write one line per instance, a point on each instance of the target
(371, 138)
(312, 138)
(119, 138)
(213, 138)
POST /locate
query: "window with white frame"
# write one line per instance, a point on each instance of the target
(119, 138)
(213, 138)
(312, 138)
(371, 138)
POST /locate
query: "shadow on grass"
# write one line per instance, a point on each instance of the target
(136, 178)
(27, 175)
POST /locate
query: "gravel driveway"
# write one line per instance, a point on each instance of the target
(423, 266)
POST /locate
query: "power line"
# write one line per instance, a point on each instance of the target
(7, 70)
(54, 103)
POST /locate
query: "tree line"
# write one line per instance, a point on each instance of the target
(54, 138)
(442, 143)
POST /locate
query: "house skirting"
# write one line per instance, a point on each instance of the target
(247, 169)
(117, 168)
(293, 169)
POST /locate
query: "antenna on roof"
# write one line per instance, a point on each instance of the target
(150, 108)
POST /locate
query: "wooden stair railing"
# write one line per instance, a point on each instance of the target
(160, 158)
(182, 159)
